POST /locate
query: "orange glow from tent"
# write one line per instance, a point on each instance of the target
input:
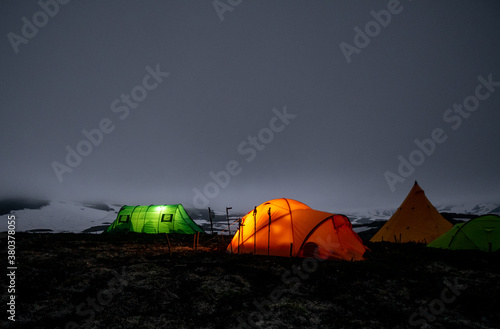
(293, 225)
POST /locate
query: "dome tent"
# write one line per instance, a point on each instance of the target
(416, 220)
(154, 219)
(480, 233)
(285, 227)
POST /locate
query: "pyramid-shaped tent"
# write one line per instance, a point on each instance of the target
(154, 219)
(481, 233)
(285, 227)
(416, 220)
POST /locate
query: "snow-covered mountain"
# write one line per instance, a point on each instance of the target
(368, 216)
(466, 208)
(76, 217)
(471, 208)
(60, 216)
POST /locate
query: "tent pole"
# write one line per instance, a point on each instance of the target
(269, 231)
(159, 220)
(255, 230)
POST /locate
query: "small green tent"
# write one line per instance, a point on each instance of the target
(154, 219)
(481, 233)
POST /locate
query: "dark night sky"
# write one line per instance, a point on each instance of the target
(351, 121)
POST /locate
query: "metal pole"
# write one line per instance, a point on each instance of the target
(227, 217)
(229, 226)
(239, 233)
(210, 217)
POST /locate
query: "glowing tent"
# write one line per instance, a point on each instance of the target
(154, 219)
(416, 220)
(481, 233)
(285, 227)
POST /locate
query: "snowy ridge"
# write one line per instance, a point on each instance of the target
(60, 217)
(74, 217)
(471, 208)
(368, 216)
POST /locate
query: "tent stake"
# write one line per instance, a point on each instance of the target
(196, 240)
(168, 242)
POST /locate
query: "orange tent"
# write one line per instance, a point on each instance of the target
(416, 220)
(285, 227)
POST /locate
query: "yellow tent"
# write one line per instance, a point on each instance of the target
(416, 220)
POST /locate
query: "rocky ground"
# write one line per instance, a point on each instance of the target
(134, 281)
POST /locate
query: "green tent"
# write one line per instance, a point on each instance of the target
(154, 219)
(481, 233)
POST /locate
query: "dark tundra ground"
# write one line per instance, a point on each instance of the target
(132, 281)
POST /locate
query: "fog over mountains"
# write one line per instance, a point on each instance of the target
(77, 217)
